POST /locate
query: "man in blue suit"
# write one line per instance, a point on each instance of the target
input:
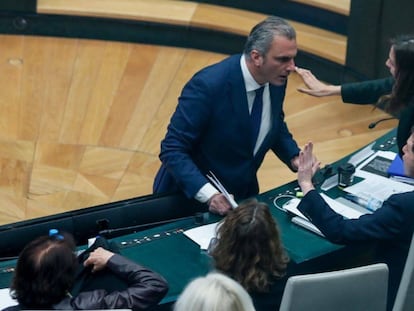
(390, 227)
(211, 128)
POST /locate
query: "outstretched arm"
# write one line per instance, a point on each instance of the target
(314, 86)
(308, 166)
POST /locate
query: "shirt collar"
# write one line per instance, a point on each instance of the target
(249, 82)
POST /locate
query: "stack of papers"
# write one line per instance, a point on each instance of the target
(5, 299)
(376, 184)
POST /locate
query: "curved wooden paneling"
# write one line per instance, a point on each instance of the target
(323, 43)
(339, 6)
(82, 121)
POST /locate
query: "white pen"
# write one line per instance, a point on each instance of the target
(221, 188)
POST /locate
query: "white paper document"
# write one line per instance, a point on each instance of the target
(214, 180)
(342, 209)
(378, 187)
(5, 299)
(202, 235)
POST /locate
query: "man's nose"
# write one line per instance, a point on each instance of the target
(291, 66)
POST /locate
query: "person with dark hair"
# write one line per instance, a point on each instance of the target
(228, 116)
(394, 94)
(390, 227)
(45, 275)
(249, 250)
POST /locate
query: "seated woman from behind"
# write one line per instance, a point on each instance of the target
(249, 250)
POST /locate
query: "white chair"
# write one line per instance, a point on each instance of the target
(404, 300)
(357, 289)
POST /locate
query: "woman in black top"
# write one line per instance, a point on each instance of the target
(394, 94)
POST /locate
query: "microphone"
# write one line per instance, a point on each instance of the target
(374, 124)
(125, 230)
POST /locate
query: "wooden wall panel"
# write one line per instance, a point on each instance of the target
(61, 57)
(115, 58)
(140, 62)
(11, 56)
(162, 74)
(85, 74)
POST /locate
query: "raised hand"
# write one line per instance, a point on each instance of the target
(314, 86)
(308, 166)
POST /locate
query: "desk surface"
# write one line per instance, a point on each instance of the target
(168, 251)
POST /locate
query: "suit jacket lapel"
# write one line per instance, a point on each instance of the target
(238, 99)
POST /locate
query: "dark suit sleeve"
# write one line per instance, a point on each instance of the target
(184, 132)
(366, 92)
(387, 223)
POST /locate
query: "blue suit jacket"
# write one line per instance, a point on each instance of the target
(391, 227)
(210, 131)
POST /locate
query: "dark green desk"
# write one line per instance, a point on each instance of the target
(168, 251)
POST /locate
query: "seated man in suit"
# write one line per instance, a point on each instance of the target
(390, 227)
(228, 116)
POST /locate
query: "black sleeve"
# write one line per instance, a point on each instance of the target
(366, 92)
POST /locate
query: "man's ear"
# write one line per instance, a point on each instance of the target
(256, 58)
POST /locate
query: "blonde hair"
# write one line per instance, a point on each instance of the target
(214, 292)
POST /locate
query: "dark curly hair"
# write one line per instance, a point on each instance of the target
(45, 271)
(249, 248)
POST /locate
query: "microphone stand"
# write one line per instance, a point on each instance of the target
(374, 124)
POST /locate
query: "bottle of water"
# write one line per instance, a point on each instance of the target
(365, 200)
(373, 204)
(369, 202)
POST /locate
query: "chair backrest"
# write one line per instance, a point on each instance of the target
(405, 295)
(362, 288)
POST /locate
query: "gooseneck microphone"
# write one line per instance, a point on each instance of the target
(374, 124)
